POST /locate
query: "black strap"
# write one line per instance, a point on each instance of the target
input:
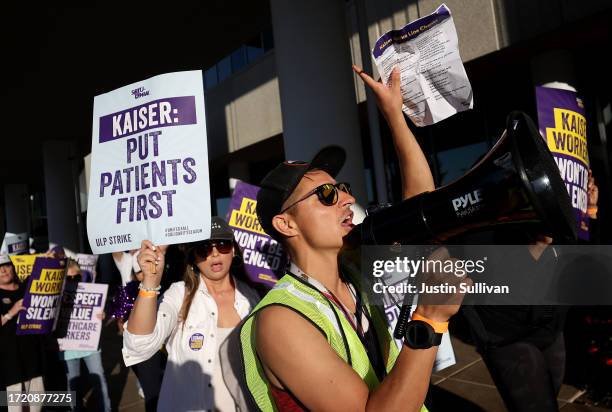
(370, 340)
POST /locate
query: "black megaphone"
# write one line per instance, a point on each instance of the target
(517, 181)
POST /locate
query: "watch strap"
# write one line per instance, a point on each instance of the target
(438, 327)
(437, 340)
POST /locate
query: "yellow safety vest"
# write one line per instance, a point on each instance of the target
(304, 298)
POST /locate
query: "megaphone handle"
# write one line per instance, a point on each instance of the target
(404, 315)
(403, 318)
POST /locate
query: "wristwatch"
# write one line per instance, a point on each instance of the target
(421, 335)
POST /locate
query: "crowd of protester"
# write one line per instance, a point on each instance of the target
(200, 336)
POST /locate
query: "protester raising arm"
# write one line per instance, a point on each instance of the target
(297, 340)
(143, 317)
(147, 327)
(193, 318)
(414, 169)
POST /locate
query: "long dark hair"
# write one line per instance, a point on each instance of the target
(192, 280)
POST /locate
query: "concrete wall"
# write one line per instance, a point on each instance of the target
(244, 109)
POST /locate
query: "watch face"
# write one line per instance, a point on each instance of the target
(419, 335)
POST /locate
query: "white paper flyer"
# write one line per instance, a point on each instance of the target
(434, 83)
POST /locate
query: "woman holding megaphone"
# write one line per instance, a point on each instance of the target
(192, 318)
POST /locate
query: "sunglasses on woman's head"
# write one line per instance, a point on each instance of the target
(205, 248)
(327, 194)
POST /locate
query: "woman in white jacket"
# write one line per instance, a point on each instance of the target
(193, 318)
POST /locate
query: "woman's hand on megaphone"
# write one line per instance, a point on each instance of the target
(441, 302)
(151, 260)
(389, 96)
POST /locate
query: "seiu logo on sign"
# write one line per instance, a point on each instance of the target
(469, 199)
(140, 92)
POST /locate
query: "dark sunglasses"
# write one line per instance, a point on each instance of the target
(327, 194)
(205, 248)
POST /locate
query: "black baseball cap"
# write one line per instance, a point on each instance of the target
(220, 230)
(278, 185)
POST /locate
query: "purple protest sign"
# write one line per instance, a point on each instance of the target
(264, 258)
(563, 126)
(42, 297)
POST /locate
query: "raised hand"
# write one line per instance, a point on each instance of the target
(151, 261)
(389, 96)
(414, 168)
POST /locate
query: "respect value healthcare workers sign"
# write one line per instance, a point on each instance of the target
(80, 321)
(149, 164)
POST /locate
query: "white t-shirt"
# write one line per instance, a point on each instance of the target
(223, 399)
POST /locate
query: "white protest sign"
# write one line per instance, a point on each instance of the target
(80, 319)
(434, 84)
(15, 244)
(149, 165)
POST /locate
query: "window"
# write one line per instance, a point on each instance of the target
(239, 59)
(210, 77)
(249, 52)
(224, 68)
(254, 48)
